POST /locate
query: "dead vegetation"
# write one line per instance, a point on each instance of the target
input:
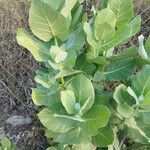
(17, 68)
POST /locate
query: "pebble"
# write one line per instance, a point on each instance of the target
(18, 121)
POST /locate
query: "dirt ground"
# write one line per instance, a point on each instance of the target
(17, 71)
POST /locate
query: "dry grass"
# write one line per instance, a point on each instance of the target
(17, 69)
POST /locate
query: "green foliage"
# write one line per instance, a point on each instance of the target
(6, 144)
(79, 113)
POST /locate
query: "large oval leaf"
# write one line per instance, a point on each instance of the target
(75, 136)
(120, 69)
(68, 101)
(90, 37)
(49, 97)
(76, 40)
(45, 22)
(95, 118)
(84, 91)
(46, 79)
(104, 137)
(37, 48)
(141, 83)
(122, 34)
(124, 101)
(138, 130)
(54, 122)
(123, 9)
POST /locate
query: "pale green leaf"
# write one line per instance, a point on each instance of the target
(55, 123)
(102, 99)
(90, 36)
(81, 1)
(131, 123)
(76, 40)
(142, 50)
(133, 94)
(86, 105)
(45, 78)
(110, 52)
(48, 97)
(56, 136)
(68, 101)
(58, 54)
(122, 34)
(104, 32)
(120, 69)
(123, 9)
(70, 60)
(105, 16)
(147, 46)
(141, 82)
(104, 137)
(100, 60)
(145, 107)
(142, 62)
(135, 24)
(67, 71)
(124, 101)
(61, 57)
(77, 16)
(146, 99)
(144, 116)
(45, 22)
(95, 118)
(125, 54)
(136, 136)
(68, 6)
(55, 4)
(75, 136)
(35, 46)
(87, 146)
(6, 144)
(83, 90)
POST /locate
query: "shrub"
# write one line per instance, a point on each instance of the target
(80, 63)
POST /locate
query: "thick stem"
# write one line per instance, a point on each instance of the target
(56, 41)
(62, 81)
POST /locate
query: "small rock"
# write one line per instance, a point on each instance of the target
(18, 121)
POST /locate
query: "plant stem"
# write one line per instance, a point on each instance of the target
(62, 80)
(56, 41)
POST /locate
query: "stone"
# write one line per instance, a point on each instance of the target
(18, 121)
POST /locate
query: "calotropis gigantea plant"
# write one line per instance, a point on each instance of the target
(80, 113)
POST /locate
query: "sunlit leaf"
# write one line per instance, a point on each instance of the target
(45, 22)
(124, 101)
